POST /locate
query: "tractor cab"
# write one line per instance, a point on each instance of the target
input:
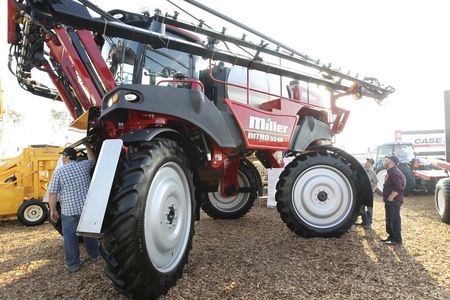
(132, 62)
(404, 152)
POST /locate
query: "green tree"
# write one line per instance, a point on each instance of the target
(60, 119)
(15, 117)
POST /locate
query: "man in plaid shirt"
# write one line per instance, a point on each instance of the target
(70, 183)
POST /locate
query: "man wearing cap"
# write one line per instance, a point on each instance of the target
(393, 187)
(366, 211)
(70, 183)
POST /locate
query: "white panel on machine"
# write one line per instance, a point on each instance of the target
(91, 219)
(273, 175)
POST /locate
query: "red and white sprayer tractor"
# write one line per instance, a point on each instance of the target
(172, 109)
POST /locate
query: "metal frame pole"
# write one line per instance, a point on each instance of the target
(447, 124)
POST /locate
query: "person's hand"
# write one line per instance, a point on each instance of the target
(54, 215)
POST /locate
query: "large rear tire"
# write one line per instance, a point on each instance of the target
(149, 222)
(442, 199)
(32, 213)
(218, 206)
(316, 195)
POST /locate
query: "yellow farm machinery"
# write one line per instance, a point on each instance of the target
(23, 183)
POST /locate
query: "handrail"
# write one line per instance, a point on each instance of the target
(259, 91)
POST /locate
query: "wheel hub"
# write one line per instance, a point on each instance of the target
(322, 196)
(168, 217)
(229, 190)
(231, 203)
(33, 213)
(171, 215)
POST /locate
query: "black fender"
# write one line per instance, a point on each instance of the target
(146, 135)
(255, 173)
(307, 131)
(190, 105)
(363, 186)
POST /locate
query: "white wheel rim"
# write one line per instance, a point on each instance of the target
(322, 196)
(440, 202)
(231, 203)
(381, 175)
(33, 213)
(167, 217)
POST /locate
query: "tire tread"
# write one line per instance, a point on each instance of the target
(286, 181)
(126, 265)
(444, 184)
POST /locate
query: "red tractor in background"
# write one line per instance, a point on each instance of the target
(421, 176)
(172, 110)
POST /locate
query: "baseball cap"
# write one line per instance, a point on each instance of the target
(370, 160)
(393, 158)
(69, 152)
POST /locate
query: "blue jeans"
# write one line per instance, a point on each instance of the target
(71, 249)
(393, 221)
(367, 216)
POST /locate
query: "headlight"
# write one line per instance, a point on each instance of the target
(128, 96)
(113, 100)
(131, 97)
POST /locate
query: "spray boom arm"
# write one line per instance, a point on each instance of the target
(66, 27)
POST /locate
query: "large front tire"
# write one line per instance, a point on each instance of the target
(316, 195)
(442, 199)
(150, 220)
(218, 206)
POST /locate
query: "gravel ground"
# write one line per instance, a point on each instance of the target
(256, 257)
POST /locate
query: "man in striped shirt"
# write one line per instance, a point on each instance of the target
(70, 184)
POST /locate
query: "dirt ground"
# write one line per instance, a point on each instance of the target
(256, 257)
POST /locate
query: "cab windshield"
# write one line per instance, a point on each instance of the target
(123, 58)
(160, 64)
(404, 151)
(120, 56)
